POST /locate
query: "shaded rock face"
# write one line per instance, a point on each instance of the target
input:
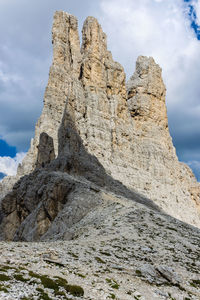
(45, 150)
(109, 133)
(59, 194)
(33, 205)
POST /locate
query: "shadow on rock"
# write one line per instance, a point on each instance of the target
(74, 159)
(73, 183)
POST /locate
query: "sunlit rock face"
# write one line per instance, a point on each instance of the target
(124, 126)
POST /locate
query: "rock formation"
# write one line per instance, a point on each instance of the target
(103, 130)
(45, 150)
(101, 151)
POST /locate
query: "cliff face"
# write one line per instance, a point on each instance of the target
(90, 112)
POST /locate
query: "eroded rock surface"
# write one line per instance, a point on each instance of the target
(97, 124)
(45, 150)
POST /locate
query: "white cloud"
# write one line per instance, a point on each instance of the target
(158, 29)
(9, 77)
(9, 165)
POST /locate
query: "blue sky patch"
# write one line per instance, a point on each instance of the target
(193, 18)
(2, 175)
(6, 150)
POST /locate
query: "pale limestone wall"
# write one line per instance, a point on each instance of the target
(126, 128)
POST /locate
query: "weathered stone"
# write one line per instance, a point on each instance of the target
(151, 275)
(169, 274)
(45, 150)
(159, 275)
(103, 131)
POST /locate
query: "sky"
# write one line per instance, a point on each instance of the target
(168, 30)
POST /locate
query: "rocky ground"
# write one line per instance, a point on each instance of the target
(120, 250)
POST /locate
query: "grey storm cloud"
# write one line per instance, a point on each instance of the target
(184, 128)
(147, 27)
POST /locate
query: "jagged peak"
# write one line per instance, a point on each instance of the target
(94, 40)
(147, 78)
(66, 43)
(145, 64)
(87, 88)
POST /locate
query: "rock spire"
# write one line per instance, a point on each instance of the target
(124, 126)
